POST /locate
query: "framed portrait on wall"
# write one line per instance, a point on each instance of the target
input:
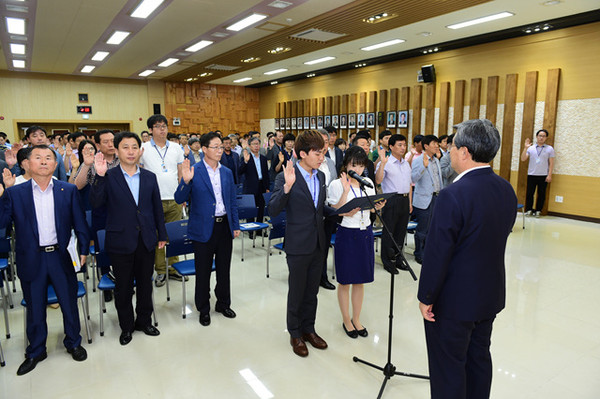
(306, 123)
(299, 124)
(313, 122)
(327, 120)
(319, 122)
(360, 121)
(276, 123)
(403, 119)
(293, 123)
(282, 124)
(288, 123)
(391, 119)
(343, 121)
(351, 121)
(335, 121)
(371, 120)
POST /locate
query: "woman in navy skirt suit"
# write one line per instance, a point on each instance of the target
(354, 249)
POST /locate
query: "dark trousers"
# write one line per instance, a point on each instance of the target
(136, 267)
(534, 182)
(395, 215)
(423, 217)
(330, 225)
(35, 293)
(219, 247)
(303, 287)
(460, 364)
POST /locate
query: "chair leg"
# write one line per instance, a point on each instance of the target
(523, 210)
(2, 362)
(101, 311)
(183, 298)
(254, 239)
(154, 311)
(94, 267)
(242, 235)
(167, 276)
(268, 254)
(5, 308)
(87, 302)
(8, 296)
(86, 319)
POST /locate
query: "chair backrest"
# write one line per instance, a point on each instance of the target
(267, 197)
(88, 218)
(4, 242)
(102, 259)
(246, 206)
(179, 242)
(277, 226)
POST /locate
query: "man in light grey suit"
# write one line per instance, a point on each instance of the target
(448, 173)
(428, 180)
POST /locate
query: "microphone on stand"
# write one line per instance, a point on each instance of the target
(360, 179)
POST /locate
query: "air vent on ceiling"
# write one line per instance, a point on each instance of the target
(13, 8)
(317, 35)
(219, 67)
(219, 34)
(280, 4)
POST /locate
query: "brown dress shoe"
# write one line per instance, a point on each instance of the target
(315, 340)
(299, 347)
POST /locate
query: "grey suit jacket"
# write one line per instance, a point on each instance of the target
(423, 179)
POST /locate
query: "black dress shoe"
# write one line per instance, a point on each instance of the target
(419, 261)
(363, 332)
(351, 333)
(227, 312)
(30, 363)
(327, 285)
(205, 319)
(148, 330)
(108, 296)
(125, 338)
(79, 354)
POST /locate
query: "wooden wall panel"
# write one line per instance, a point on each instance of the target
(335, 109)
(307, 104)
(372, 107)
(459, 101)
(288, 109)
(300, 111)
(353, 104)
(444, 108)
(314, 109)
(204, 107)
(278, 110)
(362, 102)
(328, 105)
(550, 108)
(475, 98)
(383, 101)
(508, 125)
(403, 106)
(321, 108)
(491, 102)
(393, 102)
(527, 124)
(429, 108)
(416, 110)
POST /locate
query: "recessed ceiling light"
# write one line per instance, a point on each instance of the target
(205, 74)
(147, 72)
(200, 45)
(280, 4)
(19, 63)
(310, 75)
(317, 61)
(551, 2)
(118, 37)
(384, 44)
(16, 48)
(424, 34)
(273, 72)
(15, 26)
(246, 22)
(250, 60)
(279, 50)
(168, 62)
(87, 68)
(481, 20)
(100, 55)
(242, 80)
(145, 8)
(384, 16)
(274, 82)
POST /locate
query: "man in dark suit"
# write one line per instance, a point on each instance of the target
(44, 211)
(462, 285)
(334, 152)
(230, 159)
(301, 191)
(135, 224)
(254, 168)
(213, 224)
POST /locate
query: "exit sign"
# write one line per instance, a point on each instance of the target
(84, 109)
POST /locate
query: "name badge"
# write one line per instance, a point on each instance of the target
(164, 168)
(538, 160)
(363, 224)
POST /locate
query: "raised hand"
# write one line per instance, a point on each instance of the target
(74, 161)
(244, 143)
(10, 156)
(290, 176)
(69, 151)
(246, 156)
(425, 160)
(8, 177)
(527, 143)
(187, 172)
(383, 157)
(100, 164)
(345, 182)
(61, 150)
(186, 150)
(88, 156)
(281, 157)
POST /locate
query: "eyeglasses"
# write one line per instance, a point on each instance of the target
(159, 127)
(218, 148)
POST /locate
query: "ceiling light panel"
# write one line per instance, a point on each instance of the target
(242, 80)
(19, 63)
(87, 68)
(246, 22)
(15, 26)
(118, 37)
(481, 20)
(100, 55)
(147, 72)
(198, 46)
(276, 71)
(318, 61)
(17, 48)
(168, 62)
(145, 8)
(384, 44)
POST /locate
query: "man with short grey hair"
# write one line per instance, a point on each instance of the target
(254, 168)
(462, 286)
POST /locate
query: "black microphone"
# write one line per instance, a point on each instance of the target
(360, 179)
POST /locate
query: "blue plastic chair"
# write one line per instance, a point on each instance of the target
(53, 299)
(179, 244)
(276, 231)
(247, 210)
(105, 283)
(522, 208)
(7, 302)
(2, 362)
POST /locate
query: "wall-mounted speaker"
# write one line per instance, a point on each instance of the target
(428, 73)
(156, 109)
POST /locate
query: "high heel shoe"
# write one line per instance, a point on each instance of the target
(351, 333)
(363, 332)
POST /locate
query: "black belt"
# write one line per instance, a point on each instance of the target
(403, 195)
(220, 219)
(49, 248)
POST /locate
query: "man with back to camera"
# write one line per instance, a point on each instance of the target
(427, 177)
(134, 226)
(213, 224)
(462, 286)
(394, 175)
(539, 171)
(164, 159)
(44, 211)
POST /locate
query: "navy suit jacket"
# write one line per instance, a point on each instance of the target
(463, 272)
(251, 183)
(232, 164)
(201, 196)
(18, 206)
(192, 159)
(125, 220)
(339, 158)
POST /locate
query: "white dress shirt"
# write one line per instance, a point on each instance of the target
(43, 202)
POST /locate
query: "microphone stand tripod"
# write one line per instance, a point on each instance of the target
(398, 260)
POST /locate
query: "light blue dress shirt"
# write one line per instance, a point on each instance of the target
(312, 181)
(257, 164)
(133, 182)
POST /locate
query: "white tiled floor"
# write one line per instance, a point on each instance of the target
(546, 343)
